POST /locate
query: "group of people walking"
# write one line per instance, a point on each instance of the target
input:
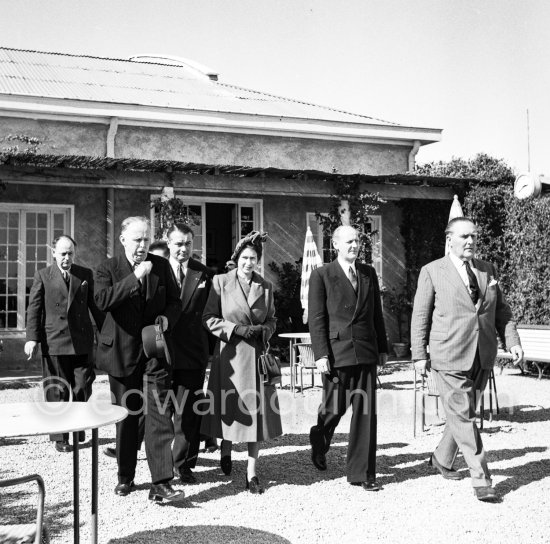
(165, 397)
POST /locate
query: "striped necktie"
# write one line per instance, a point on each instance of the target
(181, 275)
(352, 278)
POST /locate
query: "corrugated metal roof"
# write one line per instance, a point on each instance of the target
(119, 81)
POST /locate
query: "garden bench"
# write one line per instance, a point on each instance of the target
(535, 341)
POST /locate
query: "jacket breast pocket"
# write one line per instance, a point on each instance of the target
(333, 335)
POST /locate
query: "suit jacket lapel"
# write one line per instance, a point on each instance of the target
(482, 280)
(122, 270)
(151, 282)
(57, 280)
(363, 283)
(234, 289)
(190, 284)
(454, 277)
(256, 291)
(341, 278)
(74, 285)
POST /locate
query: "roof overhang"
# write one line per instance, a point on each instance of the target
(212, 121)
(84, 162)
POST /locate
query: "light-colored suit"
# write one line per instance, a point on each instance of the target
(462, 340)
(445, 318)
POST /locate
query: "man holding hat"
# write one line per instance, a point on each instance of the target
(135, 289)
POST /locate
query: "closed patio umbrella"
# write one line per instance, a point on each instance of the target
(456, 211)
(310, 261)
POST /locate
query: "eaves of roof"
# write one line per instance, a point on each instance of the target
(144, 165)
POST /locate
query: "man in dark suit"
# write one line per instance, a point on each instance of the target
(160, 248)
(458, 311)
(134, 289)
(58, 318)
(349, 341)
(190, 346)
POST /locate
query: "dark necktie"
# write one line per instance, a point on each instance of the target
(66, 278)
(352, 278)
(141, 282)
(472, 283)
(181, 275)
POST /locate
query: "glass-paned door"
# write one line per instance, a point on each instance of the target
(26, 237)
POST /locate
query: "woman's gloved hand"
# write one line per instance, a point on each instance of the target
(248, 331)
(257, 330)
(244, 331)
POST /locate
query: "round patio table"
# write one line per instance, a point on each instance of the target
(36, 418)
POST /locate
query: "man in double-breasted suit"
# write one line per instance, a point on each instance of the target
(348, 337)
(190, 346)
(61, 297)
(458, 311)
(134, 289)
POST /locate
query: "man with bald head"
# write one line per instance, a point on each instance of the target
(58, 318)
(348, 337)
(134, 289)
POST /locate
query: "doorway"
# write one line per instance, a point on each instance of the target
(220, 228)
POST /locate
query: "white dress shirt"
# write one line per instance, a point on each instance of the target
(461, 268)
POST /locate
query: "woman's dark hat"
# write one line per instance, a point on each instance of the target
(154, 342)
(255, 238)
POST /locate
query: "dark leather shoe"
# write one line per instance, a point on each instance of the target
(124, 489)
(254, 485)
(225, 461)
(110, 452)
(369, 485)
(449, 474)
(318, 457)
(319, 460)
(210, 445)
(165, 492)
(63, 446)
(486, 494)
(186, 476)
(226, 464)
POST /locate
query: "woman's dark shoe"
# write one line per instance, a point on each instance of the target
(226, 464)
(225, 461)
(254, 485)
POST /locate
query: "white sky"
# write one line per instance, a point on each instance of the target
(470, 67)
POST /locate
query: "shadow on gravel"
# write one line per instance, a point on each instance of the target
(295, 467)
(18, 505)
(199, 534)
(520, 476)
(523, 413)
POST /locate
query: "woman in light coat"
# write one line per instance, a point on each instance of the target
(240, 313)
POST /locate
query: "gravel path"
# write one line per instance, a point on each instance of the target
(302, 505)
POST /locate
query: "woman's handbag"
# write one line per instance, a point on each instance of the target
(269, 367)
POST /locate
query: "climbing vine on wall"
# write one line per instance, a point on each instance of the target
(360, 204)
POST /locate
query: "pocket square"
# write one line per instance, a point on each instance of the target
(493, 282)
(202, 284)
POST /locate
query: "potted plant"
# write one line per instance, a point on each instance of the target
(399, 305)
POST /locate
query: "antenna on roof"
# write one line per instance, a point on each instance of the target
(170, 60)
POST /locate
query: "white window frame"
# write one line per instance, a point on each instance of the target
(23, 208)
(376, 225)
(255, 203)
